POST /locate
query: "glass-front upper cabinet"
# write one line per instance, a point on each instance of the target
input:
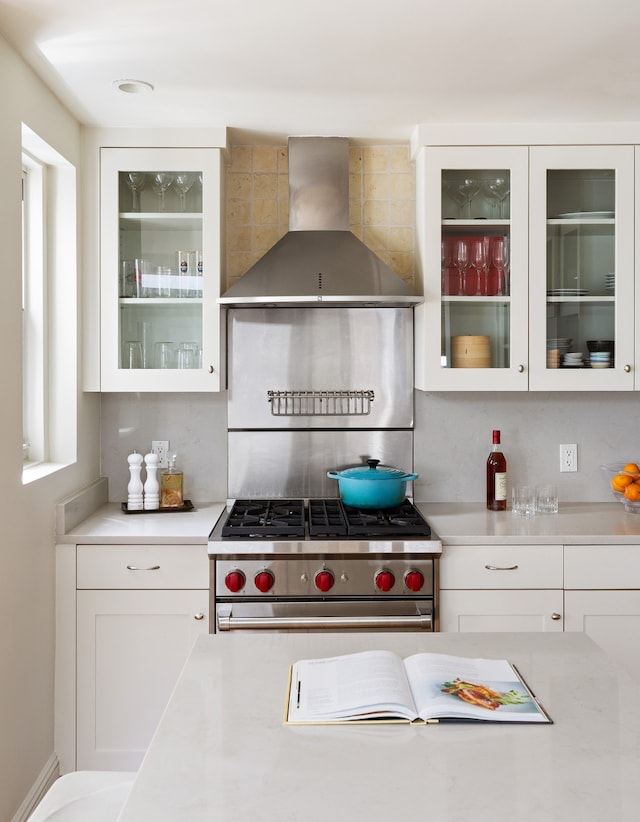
(472, 206)
(161, 250)
(582, 268)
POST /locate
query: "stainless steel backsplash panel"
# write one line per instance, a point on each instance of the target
(328, 349)
(267, 464)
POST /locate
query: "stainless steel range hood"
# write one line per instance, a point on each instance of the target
(319, 262)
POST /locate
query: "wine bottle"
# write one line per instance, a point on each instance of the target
(496, 477)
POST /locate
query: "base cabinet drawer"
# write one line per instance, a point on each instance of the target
(462, 611)
(601, 566)
(142, 566)
(501, 566)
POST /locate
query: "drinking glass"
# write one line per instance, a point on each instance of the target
(135, 180)
(461, 262)
(524, 500)
(183, 183)
(500, 189)
(164, 355)
(161, 181)
(186, 355)
(546, 499)
(500, 261)
(469, 188)
(132, 354)
(479, 259)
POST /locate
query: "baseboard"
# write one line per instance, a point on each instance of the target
(45, 780)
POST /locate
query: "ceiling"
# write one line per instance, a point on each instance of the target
(367, 69)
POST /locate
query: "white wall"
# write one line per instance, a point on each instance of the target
(27, 548)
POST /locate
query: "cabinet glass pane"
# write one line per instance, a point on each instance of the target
(580, 268)
(475, 268)
(161, 268)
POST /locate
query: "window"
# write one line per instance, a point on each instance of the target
(49, 308)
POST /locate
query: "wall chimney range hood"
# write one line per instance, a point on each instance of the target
(319, 262)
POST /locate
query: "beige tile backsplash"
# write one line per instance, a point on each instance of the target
(381, 204)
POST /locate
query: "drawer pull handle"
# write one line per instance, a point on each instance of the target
(501, 568)
(150, 568)
(199, 617)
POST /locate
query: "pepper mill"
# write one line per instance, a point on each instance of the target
(135, 488)
(151, 485)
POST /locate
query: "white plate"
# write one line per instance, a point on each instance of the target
(589, 215)
(567, 292)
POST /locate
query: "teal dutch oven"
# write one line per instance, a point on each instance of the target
(372, 486)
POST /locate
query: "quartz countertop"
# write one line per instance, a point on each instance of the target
(580, 523)
(222, 752)
(109, 524)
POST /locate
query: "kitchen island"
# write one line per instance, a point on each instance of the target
(221, 751)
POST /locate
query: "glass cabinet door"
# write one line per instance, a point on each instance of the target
(160, 269)
(474, 318)
(582, 268)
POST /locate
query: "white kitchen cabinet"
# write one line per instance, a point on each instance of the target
(469, 330)
(602, 598)
(501, 588)
(568, 221)
(161, 260)
(138, 610)
(581, 265)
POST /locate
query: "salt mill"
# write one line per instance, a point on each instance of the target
(151, 485)
(135, 488)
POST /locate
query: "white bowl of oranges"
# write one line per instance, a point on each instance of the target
(624, 481)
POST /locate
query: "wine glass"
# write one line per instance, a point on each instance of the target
(500, 261)
(135, 180)
(498, 189)
(446, 254)
(478, 259)
(183, 183)
(460, 261)
(161, 181)
(469, 187)
(456, 196)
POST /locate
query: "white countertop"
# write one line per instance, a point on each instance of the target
(109, 524)
(221, 751)
(581, 523)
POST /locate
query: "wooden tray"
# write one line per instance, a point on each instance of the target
(186, 506)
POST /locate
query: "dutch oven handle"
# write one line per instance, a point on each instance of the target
(373, 464)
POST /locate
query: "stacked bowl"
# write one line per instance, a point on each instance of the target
(600, 353)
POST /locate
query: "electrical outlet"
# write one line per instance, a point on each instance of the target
(569, 457)
(161, 448)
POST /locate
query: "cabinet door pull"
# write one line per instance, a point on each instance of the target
(556, 617)
(199, 617)
(150, 568)
(501, 568)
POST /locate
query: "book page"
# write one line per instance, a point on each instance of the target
(461, 688)
(353, 685)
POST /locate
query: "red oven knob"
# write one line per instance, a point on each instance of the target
(234, 581)
(324, 581)
(264, 581)
(385, 580)
(414, 580)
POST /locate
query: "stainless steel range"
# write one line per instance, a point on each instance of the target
(320, 565)
(320, 364)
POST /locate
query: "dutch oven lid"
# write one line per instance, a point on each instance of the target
(372, 472)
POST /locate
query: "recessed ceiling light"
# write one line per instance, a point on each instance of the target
(133, 86)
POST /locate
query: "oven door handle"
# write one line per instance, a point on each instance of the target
(226, 622)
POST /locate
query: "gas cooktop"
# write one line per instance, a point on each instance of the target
(317, 525)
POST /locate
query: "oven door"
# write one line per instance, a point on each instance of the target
(327, 616)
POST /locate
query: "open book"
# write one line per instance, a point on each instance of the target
(380, 686)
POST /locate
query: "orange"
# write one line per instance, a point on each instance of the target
(632, 492)
(631, 468)
(620, 482)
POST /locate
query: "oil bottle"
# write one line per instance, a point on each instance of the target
(171, 485)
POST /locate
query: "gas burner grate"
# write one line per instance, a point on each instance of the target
(326, 518)
(265, 518)
(400, 520)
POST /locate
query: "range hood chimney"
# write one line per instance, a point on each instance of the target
(319, 262)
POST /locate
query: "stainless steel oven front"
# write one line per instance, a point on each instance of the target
(324, 592)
